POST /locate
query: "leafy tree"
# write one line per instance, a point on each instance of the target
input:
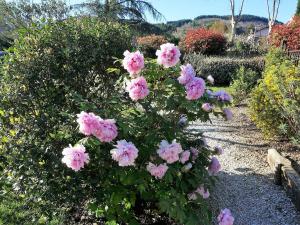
(21, 13)
(123, 9)
(298, 9)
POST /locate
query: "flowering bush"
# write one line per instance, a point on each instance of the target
(154, 155)
(288, 33)
(205, 41)
(149, 44)
(129, 153)
(275, 101)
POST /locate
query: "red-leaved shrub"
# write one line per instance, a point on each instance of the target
(205, 41)
(288, 33)
(149, 44)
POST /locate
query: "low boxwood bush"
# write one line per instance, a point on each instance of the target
(275, 102)
(205, 41)
(244, 81)
(223, 68)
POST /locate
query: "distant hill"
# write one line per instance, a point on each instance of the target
(247, 22)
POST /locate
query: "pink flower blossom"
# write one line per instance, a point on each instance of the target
(214, 166)
(169, 152)
(168, 55)
(225, 217)
(228, 114)
(185, 156)
(210, 79)
(222, 96)
(125, 153)
(133, 62)
(187, 74)
(106, 130)
(207, 107)
(75, 157)
(201, 191)
(195, 88)
(219, 150)
(195, 153)
(138, 88)
(157, 171)
(88, 122)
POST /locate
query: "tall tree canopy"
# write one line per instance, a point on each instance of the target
(123, 9)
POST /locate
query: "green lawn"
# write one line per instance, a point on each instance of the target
(228, 89)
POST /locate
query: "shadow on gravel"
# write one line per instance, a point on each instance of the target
(253, 199)
(235, 142)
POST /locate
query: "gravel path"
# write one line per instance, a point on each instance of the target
(245, 184)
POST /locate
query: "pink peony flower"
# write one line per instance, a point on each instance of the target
(210, 79)
(169, 152)
(185, 156)
(125, 153)
(138, 88)
(195, 153)
(133, 62)
(187, 74)
(207, 107)
(168, 55)
(157, 171)
(75, 157)
(88, 122)
(225, 217)
(228, 114)
(219, 150)
(214, 166)
(195, 88)
(201, 191)
(222, 96)
(106, 130)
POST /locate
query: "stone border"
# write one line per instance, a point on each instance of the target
(284, 174)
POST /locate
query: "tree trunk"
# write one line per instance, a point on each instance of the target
(271, 24)
(233, 30)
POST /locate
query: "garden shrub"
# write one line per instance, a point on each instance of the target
(205, 41)
(111, 168)
(288, 34)
(244, 81)
(149, 44)
(223, 68)
(275, 102)
(48, 68)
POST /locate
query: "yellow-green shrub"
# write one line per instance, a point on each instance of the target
(275, 102)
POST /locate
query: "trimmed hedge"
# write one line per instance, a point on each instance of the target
(223, 68)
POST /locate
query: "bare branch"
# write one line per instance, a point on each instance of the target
(269, 10)
(241, 9)
(277, 10)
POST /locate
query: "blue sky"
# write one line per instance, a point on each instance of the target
(189, 9)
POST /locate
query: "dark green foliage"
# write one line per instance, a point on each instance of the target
(48, 68)
(298, 9)
(223, 68)
(244, 81)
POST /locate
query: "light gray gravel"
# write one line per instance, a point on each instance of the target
(245, 184)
